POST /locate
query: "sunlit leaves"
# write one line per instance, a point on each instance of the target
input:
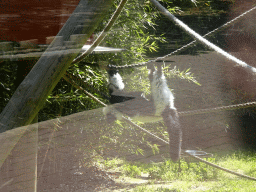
(185, 74)
(131, 31)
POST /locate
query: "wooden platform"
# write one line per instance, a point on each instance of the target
(28, 54)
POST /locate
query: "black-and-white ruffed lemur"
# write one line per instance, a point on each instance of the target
(136, 106)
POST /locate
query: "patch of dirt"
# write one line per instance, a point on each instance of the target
(85, 179)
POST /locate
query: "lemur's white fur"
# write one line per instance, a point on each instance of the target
(116, 82)
(161, 94)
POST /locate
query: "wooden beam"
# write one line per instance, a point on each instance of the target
(33, 54)
(30, 96)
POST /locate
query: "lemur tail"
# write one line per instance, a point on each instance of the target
(171, 120)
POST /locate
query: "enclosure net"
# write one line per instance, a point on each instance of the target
(72, 151)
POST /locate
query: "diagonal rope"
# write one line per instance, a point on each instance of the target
(222, 168)
(201, 39)
(224, 26)
(216, 109)
(188, 45)
(102, 34)
(73, 83)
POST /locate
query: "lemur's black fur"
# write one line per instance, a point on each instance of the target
(159, 107)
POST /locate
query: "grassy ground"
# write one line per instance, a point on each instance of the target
(193, 176)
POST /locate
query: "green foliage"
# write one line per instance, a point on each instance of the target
(203, 7)
(154, 148)
(138, 79)
(168, 171)
(131, 31)
(7, 79)
(66, 99)
(131, 170)
(154, 189)
(112, 163)
(175, 72)
(191, 176)
(189, 171)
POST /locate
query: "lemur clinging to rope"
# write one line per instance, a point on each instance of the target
(159, 107)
